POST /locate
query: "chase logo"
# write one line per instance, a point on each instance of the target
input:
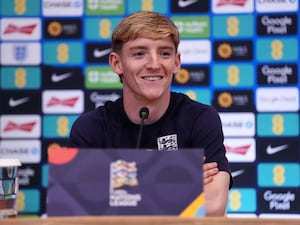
(192, 76)
(277, 24)
(277, 74)
(198, 94)
(242, 200)
(21, 53)
(161, 6)
(20, 78)
(57, 126)
(63, 53)
(100, 29)
(63, 8)
(192, 26)
(233, 26)
(233, 50)
(283, 49)
(278, 174)
(101, 78)
(277, 124)
(62, 29)
(100, 7)
(233, 75)
(20, 8)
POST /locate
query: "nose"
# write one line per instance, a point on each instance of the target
(153, 61)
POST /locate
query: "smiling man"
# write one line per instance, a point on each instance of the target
(144, 55)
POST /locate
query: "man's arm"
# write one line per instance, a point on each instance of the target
(216, 185)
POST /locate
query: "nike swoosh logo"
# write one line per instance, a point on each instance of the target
(272, 150)
(16, 102)
(100, 53)
(237, 173)
(60, 77)
(186, 3)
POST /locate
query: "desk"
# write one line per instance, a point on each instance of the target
(146, 220)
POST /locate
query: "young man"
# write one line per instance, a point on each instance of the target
(144, 55)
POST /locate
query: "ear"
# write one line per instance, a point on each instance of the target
(115, 64)
(177, 63)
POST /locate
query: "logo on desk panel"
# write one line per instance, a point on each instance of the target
(62, 77)
(20, 126)
(62, 29)
(276, 50)
(233, 26)
(224, 6)
(192, 76)
(284, 200)
(15, 29)
(62, 101)
(241, 200)
(55, 126)
(20, 78)
(21, 53)
(22, 102)
(233, 75)
(63, 8)
(100, 29)
(101, 77)
(233, 50)
(277, 124)
(20, 8)
(277, 25)
(190, 6)
(100, 7)
(192, 26)
(277, 74)
(279, 174)
(27, 151)
(160, 6)
(63, 53)
(282, 149)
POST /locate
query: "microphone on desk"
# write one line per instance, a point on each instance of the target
(144, 113)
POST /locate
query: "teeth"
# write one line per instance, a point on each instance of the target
(152, 78)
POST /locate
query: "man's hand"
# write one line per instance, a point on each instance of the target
(209, 171)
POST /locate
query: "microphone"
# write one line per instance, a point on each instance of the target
(144, 113)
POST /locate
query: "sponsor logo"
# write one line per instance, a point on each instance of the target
(232, 6)
(237, 173)
(102, 77)
(233, 50)
(62, 29)
(188, 6)
(58, 126)
(27, 151)
(94, 99)
(168, 143)
(64, 101)
(99, 7)
(16, 102)
(246, 203)
(195, 51)
(20, 126)
(21, 29)
(277, 99)
(21, 53)
(273, 150)
(100, 53)
(192, 76)
(243, 174)
(62, 77)
(63, 7)
(28, 176)
(238, 124)
(240, 149)
(276, 6)
(277, 74)
(277, 25)
(123, 173)
(192, 26)
(186, 3)
(97, 52)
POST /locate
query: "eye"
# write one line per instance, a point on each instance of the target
(139, 53)
(165, 53)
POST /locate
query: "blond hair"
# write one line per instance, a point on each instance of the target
(144, 24)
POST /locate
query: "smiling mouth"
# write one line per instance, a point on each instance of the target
(152, 78)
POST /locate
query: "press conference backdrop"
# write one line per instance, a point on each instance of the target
(241, 56)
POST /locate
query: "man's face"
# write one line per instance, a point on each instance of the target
(147, 67)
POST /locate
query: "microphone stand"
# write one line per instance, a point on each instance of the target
(144, 113)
